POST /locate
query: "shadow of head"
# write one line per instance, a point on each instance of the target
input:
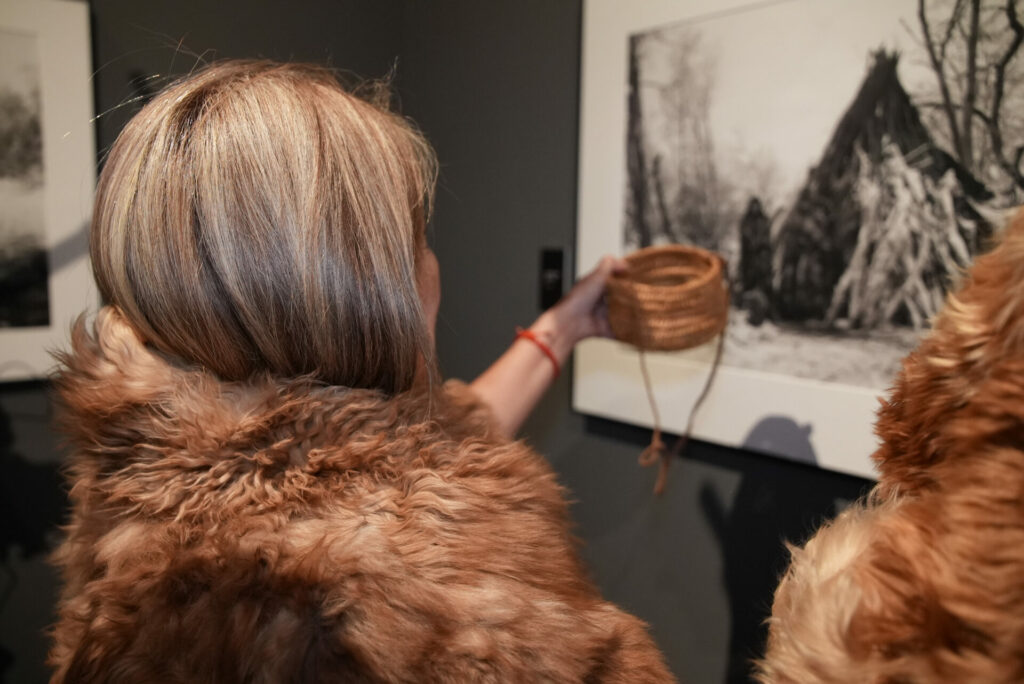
(782, 436)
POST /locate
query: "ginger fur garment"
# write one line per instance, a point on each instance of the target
(287, 531)
(925, 581)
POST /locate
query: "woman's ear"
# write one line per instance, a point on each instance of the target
(428, 284)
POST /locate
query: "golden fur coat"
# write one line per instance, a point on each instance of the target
(275, 531)
(925, 581)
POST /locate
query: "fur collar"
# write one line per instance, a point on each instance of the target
(177, 439)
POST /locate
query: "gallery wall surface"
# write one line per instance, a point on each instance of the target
(495, 87)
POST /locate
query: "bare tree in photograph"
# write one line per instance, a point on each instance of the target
(675, 191)
(973, 49)
(685, 97)
(638, 228)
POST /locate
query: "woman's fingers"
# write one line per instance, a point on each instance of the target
(589, 290)
(584, 305)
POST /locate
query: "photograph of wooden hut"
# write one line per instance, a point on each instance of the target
(848, 159)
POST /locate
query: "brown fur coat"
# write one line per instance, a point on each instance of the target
(291, 532)
(925, 582)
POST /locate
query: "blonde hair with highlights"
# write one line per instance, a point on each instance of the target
(256, 217)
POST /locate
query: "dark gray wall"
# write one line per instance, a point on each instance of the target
(494, 86)
(31, 506)
(138, 45)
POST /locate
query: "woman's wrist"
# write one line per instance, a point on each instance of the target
(557, 332)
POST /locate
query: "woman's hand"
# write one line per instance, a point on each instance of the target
(582, 313)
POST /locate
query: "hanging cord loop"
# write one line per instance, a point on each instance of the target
(671, 298)
(656, 450)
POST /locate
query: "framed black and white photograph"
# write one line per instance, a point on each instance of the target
(47, 174)
(847, 158)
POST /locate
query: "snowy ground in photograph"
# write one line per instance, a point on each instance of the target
(861, 360)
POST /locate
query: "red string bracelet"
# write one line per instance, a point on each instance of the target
(542, 346)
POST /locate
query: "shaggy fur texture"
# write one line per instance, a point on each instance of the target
(925, 581)
(276, 531)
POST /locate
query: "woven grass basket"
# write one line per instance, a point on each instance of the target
(672, 297)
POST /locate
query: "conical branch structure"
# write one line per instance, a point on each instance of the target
(884, 222)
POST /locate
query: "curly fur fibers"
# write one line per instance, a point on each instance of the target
(274, 531)
(925, 581)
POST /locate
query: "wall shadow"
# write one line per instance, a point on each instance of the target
(777, 500)
(782, 435)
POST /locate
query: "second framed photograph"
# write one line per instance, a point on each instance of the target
(47, 175)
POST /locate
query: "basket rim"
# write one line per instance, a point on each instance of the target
(713, 272)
